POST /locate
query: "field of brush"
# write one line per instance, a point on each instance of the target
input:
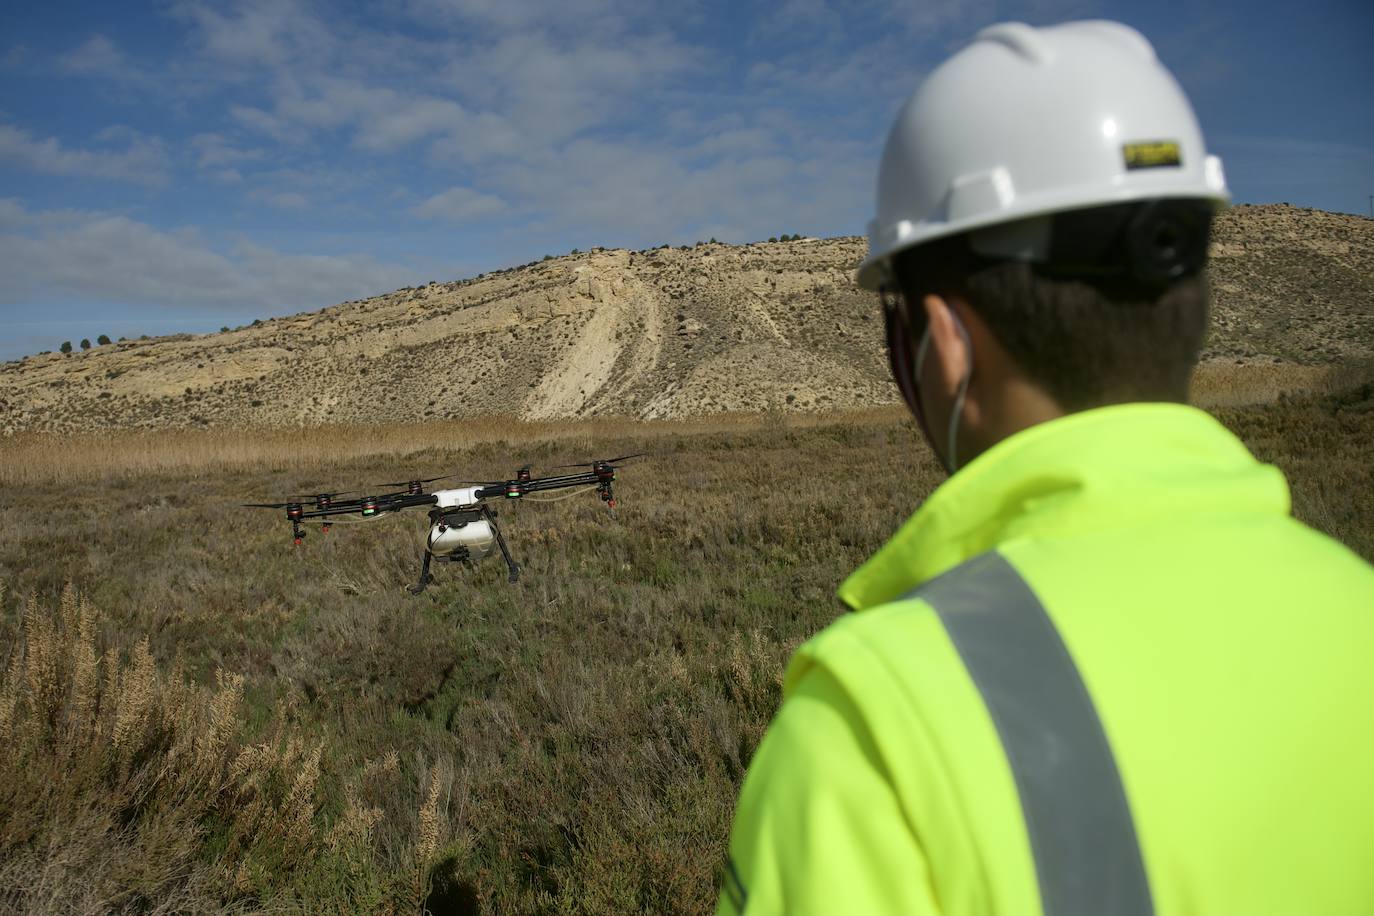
(197, 716)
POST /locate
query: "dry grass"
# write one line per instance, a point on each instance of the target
(126, 788)
(1230, 384)
(30, 458)
(214, 720)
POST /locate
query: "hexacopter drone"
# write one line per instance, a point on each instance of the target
(462, 528)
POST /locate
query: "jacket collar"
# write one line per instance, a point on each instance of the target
(1098, 469)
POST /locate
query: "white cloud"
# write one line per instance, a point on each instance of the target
(460, 205)
(621, 121)
(103, 258)
(256, 32)
(142, 160)
(14, 58)
(215, 151)
(98, 56)
(264, 122)
(510, 15)
(282, 200)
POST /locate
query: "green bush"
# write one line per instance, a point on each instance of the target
(102, 340)
(85, 343)
(66, 346)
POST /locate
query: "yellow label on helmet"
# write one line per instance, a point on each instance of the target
(1151, 155)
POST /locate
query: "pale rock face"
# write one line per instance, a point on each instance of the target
(661, 333)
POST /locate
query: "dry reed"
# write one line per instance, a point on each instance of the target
(32, 458)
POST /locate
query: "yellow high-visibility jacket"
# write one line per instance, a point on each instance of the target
(1100, 671)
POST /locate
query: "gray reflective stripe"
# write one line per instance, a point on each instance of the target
(1087, 858)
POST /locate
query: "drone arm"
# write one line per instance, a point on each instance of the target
(559, 483)
(383, 505)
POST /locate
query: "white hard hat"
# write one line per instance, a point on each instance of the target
(1027, 122)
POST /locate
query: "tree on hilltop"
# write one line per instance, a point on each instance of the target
(103, 339)
(66, 346)
(85, 343)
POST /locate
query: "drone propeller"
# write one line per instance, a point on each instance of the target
(269, 505)
(322, 495)
(592, 464)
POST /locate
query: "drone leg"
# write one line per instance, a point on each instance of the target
(425, 577)
(505, 551)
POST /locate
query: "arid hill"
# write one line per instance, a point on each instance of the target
(657, 333)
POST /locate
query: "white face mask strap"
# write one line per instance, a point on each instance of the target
(921, 349)
(951, 461)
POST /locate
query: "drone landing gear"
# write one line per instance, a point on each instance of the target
(461, 555)
(511, 566)
(425, 577)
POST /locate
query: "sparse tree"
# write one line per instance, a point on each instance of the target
(772, 238)
(258, 321)
(103, 339)
(576, 251)
(713, 241)
(85, 343)
(224, 330)
(66, 346)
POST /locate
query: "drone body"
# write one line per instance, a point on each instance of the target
(462, 536)
(460, 531)
(462, 527)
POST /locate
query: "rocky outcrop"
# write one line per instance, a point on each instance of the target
(658, 333)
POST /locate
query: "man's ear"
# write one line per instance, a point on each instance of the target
(949, 360)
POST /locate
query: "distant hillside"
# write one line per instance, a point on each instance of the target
(658, 333)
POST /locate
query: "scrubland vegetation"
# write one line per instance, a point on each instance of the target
(197, 716)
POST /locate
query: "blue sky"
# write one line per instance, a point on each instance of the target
(183, 165)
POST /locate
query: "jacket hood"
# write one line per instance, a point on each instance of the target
(1094, 470)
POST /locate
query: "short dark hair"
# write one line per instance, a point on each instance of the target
(1088, 341)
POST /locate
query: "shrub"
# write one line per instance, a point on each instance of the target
(166, 800)
(66, 346)
(102, 340)
(224, 330)
(772, 238)
(85, 343)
